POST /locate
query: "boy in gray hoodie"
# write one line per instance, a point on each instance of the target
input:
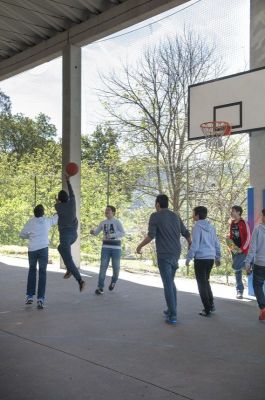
(205, 249)
(256, 254)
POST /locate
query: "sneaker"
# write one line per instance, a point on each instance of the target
(262, 314)
(82, 285)
(239, 295)
(205, 313)
(40, 304)
(99, 291)
(213, 308)
(171, 321)
(67, 275)
(29, 300)
(165, 312)
(111, 286)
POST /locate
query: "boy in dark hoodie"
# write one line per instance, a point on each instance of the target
(240, 234)
(67, 225)
(205, 249)
(256, 254)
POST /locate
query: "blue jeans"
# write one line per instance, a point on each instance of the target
(67, 238)
(108, 254)
(41, 257)
(168, 266)
(258, 282)
(238, 265)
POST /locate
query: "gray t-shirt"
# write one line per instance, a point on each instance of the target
(67, 212)
(167, 227)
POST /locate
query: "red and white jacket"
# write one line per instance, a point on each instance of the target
(244, 233)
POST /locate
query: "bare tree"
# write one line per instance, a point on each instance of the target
(149, 102)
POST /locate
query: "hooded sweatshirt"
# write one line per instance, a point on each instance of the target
(256, 251)
(205, 244)
(37, 231)
(240, 234)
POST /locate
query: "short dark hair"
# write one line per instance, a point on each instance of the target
(113, 209)
(201, 211)
(162, 200)
(63, 196)
(263, 212)
(238, 209)
(39, 211)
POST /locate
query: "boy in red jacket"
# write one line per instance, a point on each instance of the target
(240, 235)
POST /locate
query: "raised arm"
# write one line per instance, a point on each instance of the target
(70, 189)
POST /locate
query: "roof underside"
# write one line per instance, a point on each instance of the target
(34, 31)
(26, 23)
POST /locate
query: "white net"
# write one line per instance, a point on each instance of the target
(214, 132)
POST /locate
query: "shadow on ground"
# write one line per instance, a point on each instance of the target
(117, 346)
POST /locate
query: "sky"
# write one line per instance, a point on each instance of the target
(223, 22)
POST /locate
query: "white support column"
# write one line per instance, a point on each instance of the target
(257, 139)
(71, 136)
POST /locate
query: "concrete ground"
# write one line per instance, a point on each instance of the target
(117, 346)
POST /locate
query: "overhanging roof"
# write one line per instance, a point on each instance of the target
(35, 31)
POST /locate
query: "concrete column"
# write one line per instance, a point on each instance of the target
(71, 136)
(257, 139)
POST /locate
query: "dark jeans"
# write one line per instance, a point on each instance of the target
(108, 254)
(41, 257)
(167, 267)
(238, 265)
(202, 272)
(67, 238)
(258, 282)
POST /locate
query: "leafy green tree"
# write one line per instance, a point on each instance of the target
(97, 148)
(21, 135)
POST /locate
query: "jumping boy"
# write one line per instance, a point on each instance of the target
(205, 249)
(37, 231)
(256, 254)
(67, 225)
(111, 247)
(240, 235)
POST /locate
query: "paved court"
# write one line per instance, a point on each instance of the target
(117, 346)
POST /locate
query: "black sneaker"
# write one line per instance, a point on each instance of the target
(40, 304)
(213, 308)
(67, 275)
(82, 285)
(99, 291)
(29, 300)
(205, 313)
(111, 286)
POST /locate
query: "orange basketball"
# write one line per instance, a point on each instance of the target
(72, 169)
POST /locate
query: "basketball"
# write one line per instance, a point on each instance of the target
(72, 169)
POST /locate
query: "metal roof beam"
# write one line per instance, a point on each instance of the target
(108, 22)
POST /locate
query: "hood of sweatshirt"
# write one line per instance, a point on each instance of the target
(39, 220)
(205, 225)
(262, 228)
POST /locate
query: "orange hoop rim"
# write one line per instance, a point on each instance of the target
(216, 128)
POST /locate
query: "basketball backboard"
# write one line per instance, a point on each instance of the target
(238, 99)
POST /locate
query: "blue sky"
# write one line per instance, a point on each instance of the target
(224, 22)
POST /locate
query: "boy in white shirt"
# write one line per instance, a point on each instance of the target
(37, 231)
(111, 247)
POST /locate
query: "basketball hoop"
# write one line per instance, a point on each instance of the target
(214, 131)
